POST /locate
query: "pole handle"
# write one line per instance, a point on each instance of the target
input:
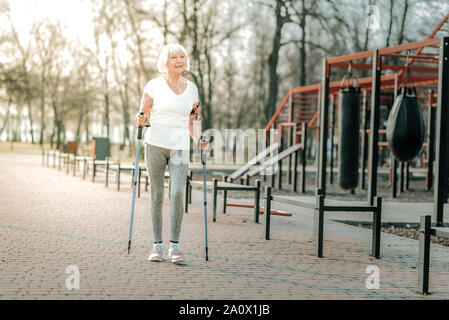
(203, 152)
(139, 129)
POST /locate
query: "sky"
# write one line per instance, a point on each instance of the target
(75, 16)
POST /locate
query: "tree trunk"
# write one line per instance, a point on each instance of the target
(78, 127)
(86, 126)
(401, 33)
(5, 121)
(272, 64)
(30, 118)
(387, 43)
(303, 56)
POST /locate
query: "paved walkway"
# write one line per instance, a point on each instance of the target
(50, 220)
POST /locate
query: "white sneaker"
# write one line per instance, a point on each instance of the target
(175, 255)
(156, 253)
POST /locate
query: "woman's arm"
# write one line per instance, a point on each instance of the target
(192, 135)
(145, 106)
(192, 117)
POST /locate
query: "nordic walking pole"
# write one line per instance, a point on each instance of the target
(139, 137)
(203, 160)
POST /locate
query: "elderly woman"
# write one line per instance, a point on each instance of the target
(168, 101)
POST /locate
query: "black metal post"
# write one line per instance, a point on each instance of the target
(394, 161)
(333, 105)
(394, 177)
(430, 143)
(364, 138)
(257, 202)
(186, 204)
(424, 254)
(267, 210)
(303, 158)
(318, 223)
(190, 187)
(295, 169)
(442, 139)
(290, 143)
(215, 183)
(280, 164)
(377, 228)
(324, 124)
(374, 127)
(225, 194)
(401, 187)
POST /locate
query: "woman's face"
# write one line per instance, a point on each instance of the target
(176, 62)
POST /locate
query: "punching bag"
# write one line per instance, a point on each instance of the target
(348, 137)
(405, 126)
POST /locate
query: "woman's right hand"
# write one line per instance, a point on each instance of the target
(140, 120)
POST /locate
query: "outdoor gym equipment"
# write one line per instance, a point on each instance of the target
(348, 126)
(405, 126)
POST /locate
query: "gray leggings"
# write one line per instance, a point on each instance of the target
(156, 160)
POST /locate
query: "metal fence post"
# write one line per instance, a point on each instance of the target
(374, 127)
(377, 228)
(256, 202)
(424, 254)
(215, 182)
(318, 223)
(268, 199)
(225, 194)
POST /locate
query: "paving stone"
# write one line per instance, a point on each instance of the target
(50, 220)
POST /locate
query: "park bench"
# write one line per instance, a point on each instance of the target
(226, 186)
(425, 231)
(216, 186)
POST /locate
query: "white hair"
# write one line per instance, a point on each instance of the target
(168, 50)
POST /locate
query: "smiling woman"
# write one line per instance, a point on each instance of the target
(168, 100)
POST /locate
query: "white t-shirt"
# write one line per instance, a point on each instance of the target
(169, 116)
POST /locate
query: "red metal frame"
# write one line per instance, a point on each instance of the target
(387, 81)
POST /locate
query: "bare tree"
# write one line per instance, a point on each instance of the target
(25, 56)
(404, 16)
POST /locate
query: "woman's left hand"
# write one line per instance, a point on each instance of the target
(204, 144)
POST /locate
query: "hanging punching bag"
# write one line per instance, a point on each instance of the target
(405, 126)
(348, 137)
